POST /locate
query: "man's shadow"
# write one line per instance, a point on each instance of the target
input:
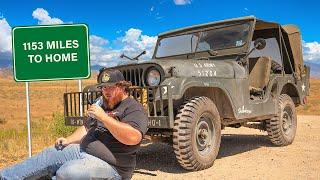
(161, 157)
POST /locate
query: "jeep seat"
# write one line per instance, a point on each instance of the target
(259, 73)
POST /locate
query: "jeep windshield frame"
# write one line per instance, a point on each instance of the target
(216, 38)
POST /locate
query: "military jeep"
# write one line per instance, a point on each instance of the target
(238, 72)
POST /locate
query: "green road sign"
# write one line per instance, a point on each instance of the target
(51, 52)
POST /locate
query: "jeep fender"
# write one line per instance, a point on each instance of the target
(214, 90)
(293, 91)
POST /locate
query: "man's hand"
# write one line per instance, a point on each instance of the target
(97, 112)
(62, 141)
(74, 138)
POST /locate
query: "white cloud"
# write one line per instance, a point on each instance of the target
(5, 36)
(135, 42)
(132, 35)
(43, 17)
(103, 56)
(311, 51)
(159, 17)
(154, 13)
(182, 2)
(98, 41)
(131, 44)
(102, 52)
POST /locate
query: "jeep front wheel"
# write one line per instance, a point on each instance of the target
(282, 129)
(197, 134)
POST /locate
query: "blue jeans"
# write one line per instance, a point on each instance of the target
(70, 163)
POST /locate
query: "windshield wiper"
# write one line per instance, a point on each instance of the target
(124, 56)
(142, 53)
(212, 52)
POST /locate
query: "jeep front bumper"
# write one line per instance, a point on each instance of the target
(157, 101)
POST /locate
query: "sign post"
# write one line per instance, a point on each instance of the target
(28, 120)
(50, 52)
(80, 89)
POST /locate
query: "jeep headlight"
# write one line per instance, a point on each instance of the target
(153, 77)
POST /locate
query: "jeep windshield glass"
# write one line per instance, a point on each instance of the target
(176, 45)
(230, 36)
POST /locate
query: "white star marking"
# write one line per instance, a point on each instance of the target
(165, 90)
(303, 87)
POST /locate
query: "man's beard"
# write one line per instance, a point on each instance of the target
(114, 100)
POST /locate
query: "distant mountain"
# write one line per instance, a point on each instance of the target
(5, 64)
(5, 60)
(6, 67)
(315, 69)
(6, 73)
(96, 68)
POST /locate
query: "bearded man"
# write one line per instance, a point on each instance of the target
(103, 148)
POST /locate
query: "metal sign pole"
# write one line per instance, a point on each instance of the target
(28, 120)
(80, 103)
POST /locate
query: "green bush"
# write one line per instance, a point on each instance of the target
(59, 128)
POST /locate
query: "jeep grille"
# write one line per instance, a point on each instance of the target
(134, 75)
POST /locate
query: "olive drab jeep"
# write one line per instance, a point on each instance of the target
(232, 73)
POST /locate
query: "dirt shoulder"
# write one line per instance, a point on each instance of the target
(244, 154)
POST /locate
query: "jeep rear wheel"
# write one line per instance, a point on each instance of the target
(282, 129)
(197, 134)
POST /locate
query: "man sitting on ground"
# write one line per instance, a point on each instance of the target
(104, 147)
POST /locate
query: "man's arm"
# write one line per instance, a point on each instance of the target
(123, 132)
(74, 138)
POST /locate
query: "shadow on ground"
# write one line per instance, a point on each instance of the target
(160, 156)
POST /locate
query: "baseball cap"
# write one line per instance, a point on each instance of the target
(110, 78)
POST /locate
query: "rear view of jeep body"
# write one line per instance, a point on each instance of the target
(238, 72)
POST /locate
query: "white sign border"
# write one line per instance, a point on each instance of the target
(43, 26)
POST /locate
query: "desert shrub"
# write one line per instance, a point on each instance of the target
(3, 120)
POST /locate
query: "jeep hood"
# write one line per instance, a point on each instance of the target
(226, 68)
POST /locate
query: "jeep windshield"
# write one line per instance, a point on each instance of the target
(229, 36)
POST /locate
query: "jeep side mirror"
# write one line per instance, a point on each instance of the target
(259, 43)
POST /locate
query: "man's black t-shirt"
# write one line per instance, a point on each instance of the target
(100, 142)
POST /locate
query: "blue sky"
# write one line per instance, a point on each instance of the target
(131, 26)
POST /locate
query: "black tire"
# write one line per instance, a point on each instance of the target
(197, 134)
(282, 129)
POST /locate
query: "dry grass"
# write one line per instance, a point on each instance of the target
(46, 99)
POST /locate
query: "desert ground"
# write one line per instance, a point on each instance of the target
(244, 153)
